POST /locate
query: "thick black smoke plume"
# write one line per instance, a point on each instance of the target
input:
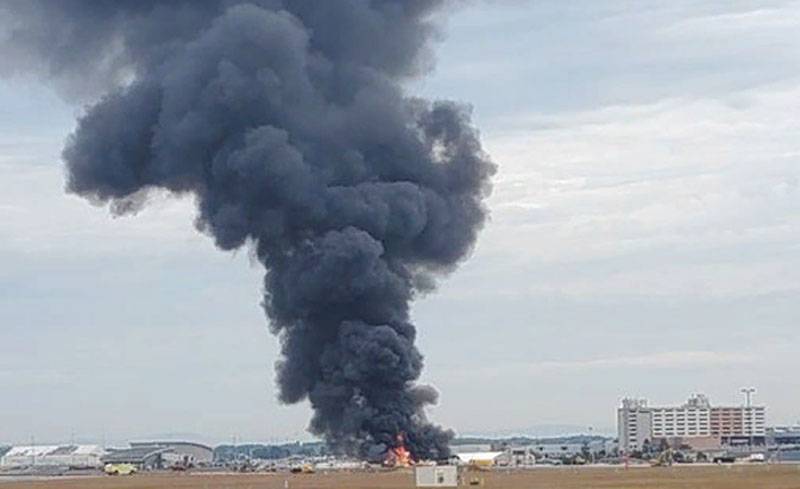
(287, 122)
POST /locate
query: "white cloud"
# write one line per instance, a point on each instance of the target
(620, 366)
(39, 218)
(661, 360)
(770, 20)
(683, 196)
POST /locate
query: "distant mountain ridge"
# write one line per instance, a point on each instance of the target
(540, 431)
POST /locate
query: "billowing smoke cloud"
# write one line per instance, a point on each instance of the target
(287, 122)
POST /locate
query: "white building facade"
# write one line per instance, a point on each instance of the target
(436, 475)
(517, 457)
(690, 420)
(634, 424)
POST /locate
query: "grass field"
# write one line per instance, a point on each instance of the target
(706, 477)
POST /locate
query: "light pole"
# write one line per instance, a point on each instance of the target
(748, 392)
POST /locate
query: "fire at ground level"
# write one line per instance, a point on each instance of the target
(783, 476)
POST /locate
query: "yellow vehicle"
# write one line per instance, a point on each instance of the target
(120, 469)
(302, 469)
(482, 465)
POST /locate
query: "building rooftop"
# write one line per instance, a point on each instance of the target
(44, 450)
(135, 455)
(696, 401)
(165, 443)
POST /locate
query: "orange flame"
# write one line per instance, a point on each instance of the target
(399, 456)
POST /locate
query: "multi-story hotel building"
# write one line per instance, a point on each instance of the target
(695, 423)
(634, 424)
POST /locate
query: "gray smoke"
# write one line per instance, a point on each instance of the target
(287, 122)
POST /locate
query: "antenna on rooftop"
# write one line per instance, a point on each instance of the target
(748, 392)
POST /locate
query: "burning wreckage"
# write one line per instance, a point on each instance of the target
(287, 122)
(398, 456)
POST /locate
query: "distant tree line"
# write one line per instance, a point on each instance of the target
(230, 453)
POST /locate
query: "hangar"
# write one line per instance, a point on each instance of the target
(188, 453)
(73, 456)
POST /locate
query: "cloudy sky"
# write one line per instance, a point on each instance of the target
(644, 241)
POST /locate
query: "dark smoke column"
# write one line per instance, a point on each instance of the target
(287, 122)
